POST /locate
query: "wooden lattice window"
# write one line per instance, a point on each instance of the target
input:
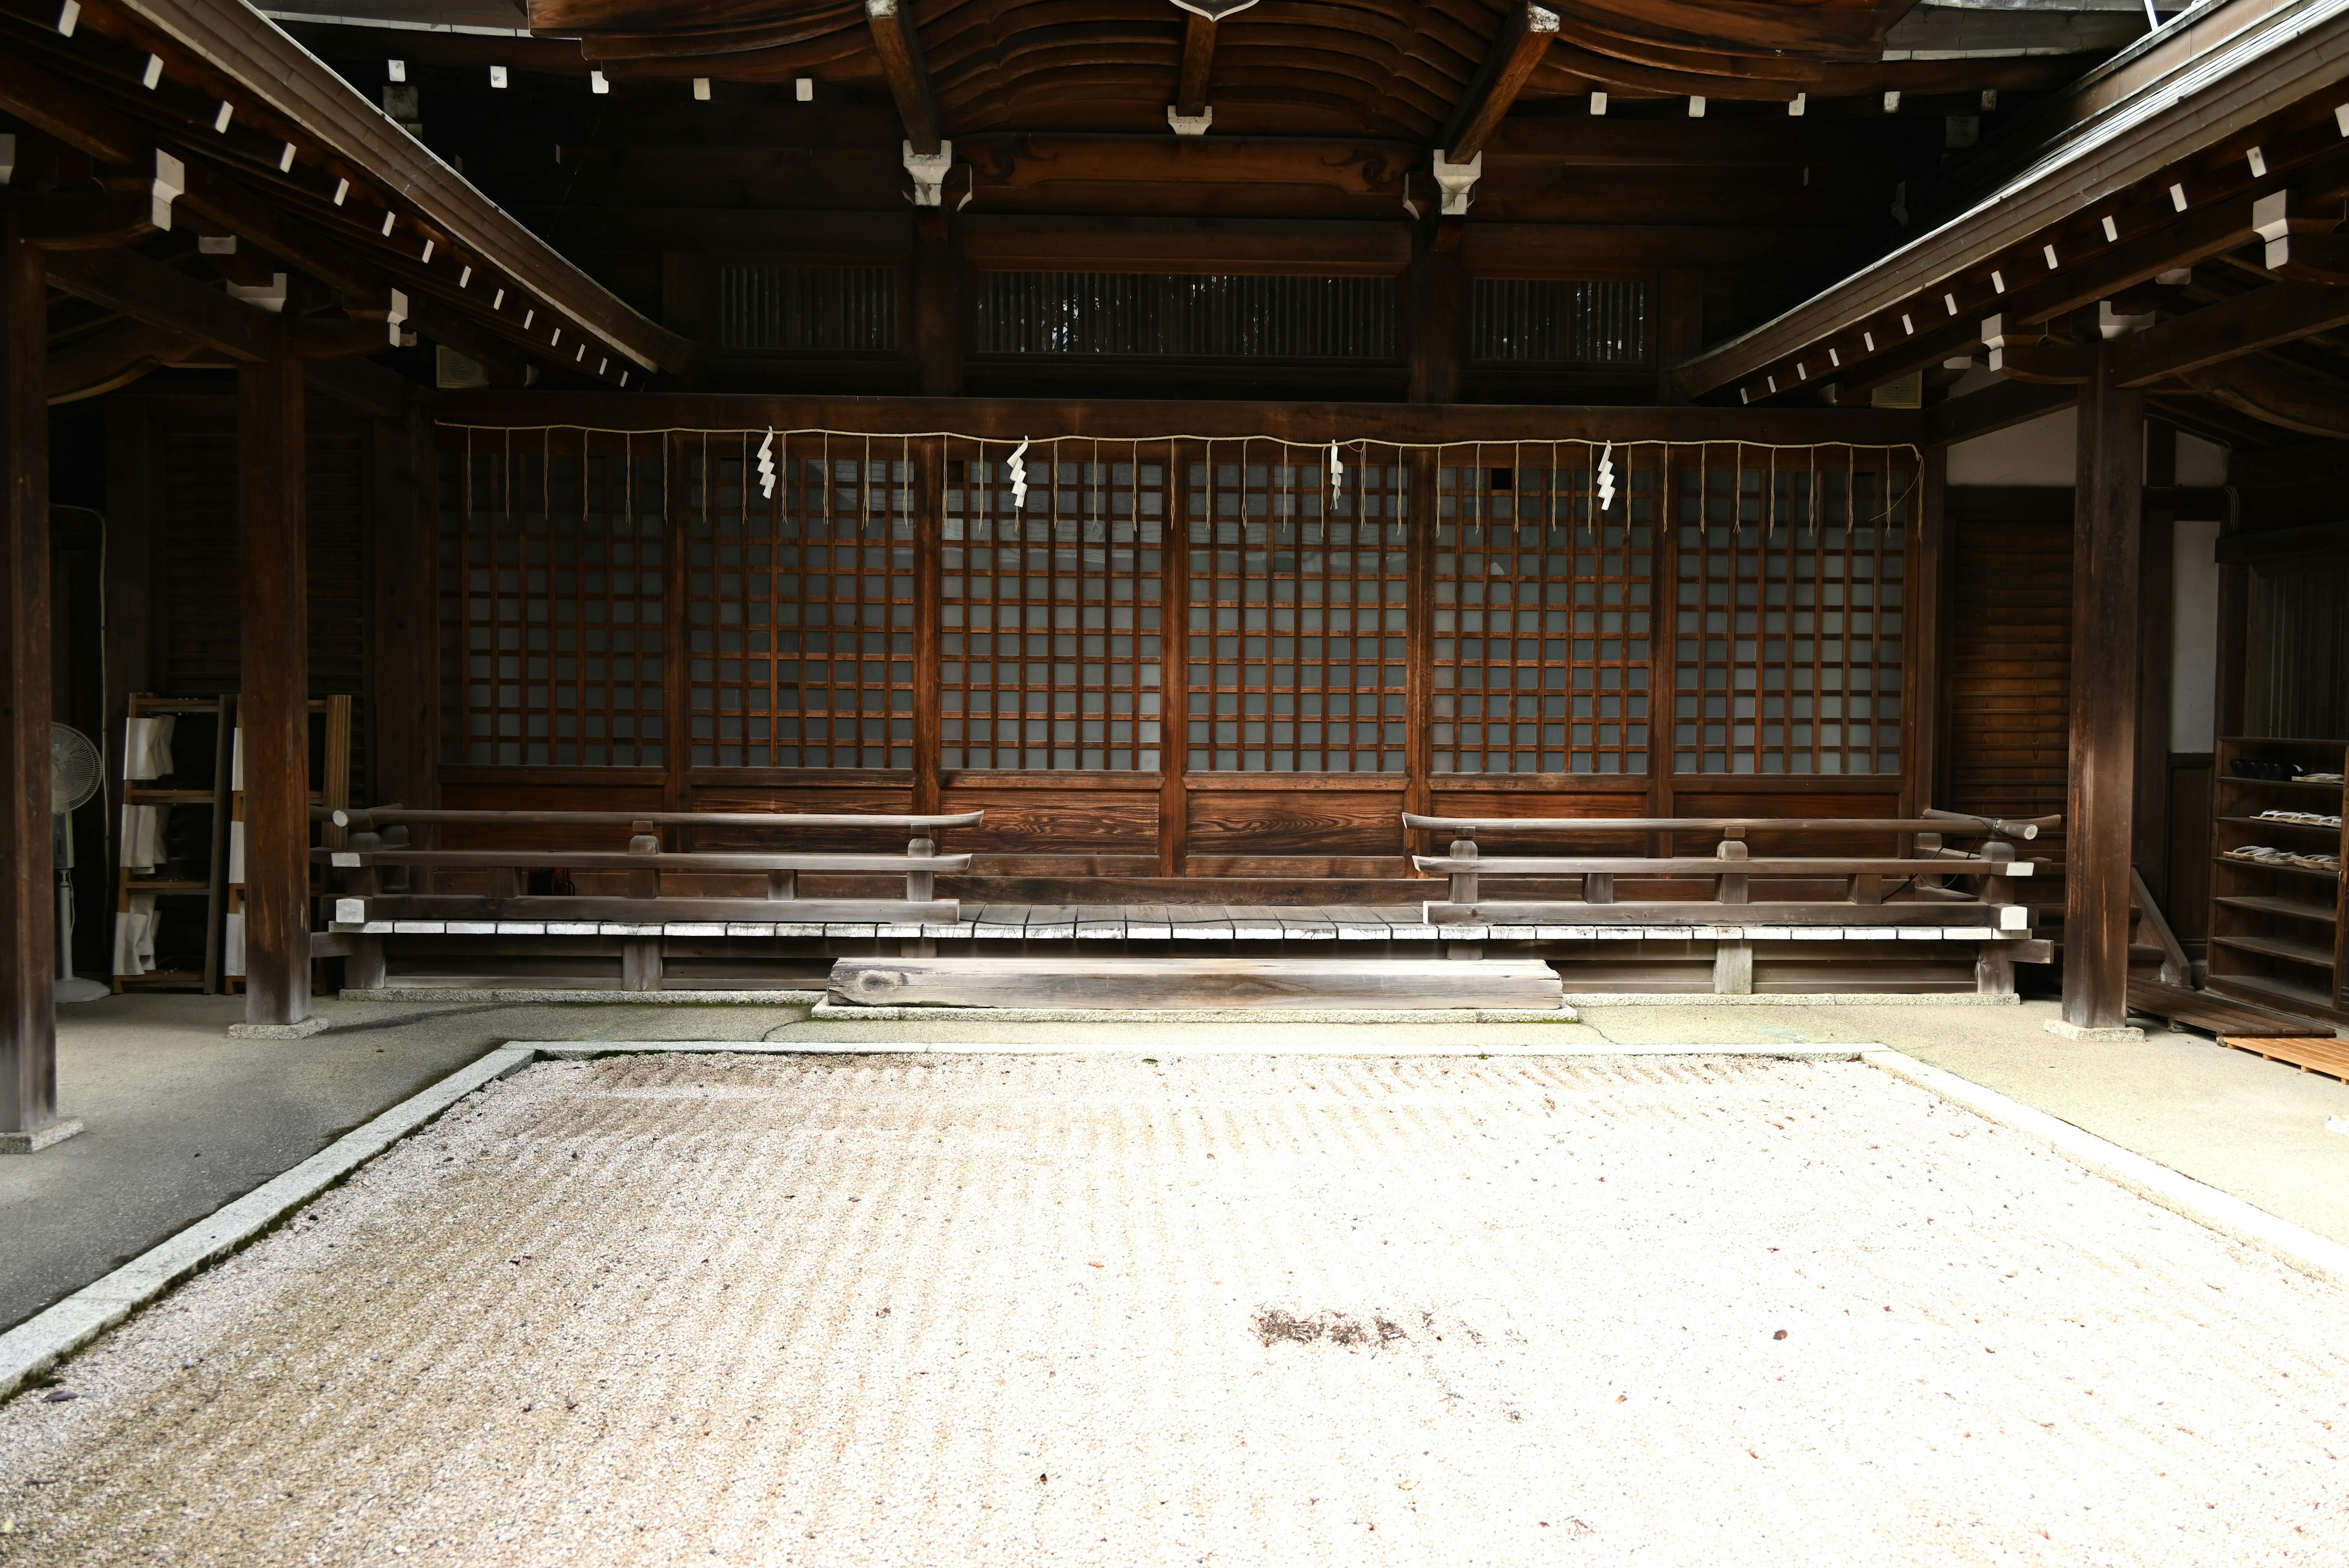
(551, 602)
(1553, 322)
(1052, 613)
(1790, 614)
(1143, 314)
(1541, 618)
(802, 603)
(808, 309)
(1298, 611)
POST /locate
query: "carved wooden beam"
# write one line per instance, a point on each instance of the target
(900, 48)
(2275, 396)
(129, 285)
(115, 358)
(1526, 33)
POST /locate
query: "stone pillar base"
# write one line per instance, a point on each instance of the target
(56, 1132)
(2070, 1030)
(302, 1031)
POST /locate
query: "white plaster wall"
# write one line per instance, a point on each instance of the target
(2199, 461)
(2194, 629)
(2037, 451)
(2041, 451)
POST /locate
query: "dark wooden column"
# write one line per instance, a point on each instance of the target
(1174, 666)
(1927, 577)
(405, 705)
(2157, 591)
(1419, 677)
(28, 1034)
(935, 286)
(2106, 566)
(1438, 286)
(1680, 323)
(274, 706)
(929, 483)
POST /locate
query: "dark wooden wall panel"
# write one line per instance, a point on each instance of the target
(2010, 670)
(2187, 906)
(2297, 664)
(1318, 820)
(196, 648)
(1072, 817)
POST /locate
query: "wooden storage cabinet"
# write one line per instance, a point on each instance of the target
(2276, 926)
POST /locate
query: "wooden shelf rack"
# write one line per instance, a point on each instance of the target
(2276, 929)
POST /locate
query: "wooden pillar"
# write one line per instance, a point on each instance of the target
(680, 451)
(1438, 282)
(2107, 540)
(1680, 322)
(405, 707)
(2156, 588)
(929, 483)
(273, 704)
(937, 315)
(28, 1034)
(1928, 575)
(1419, 677)
(1174, 666)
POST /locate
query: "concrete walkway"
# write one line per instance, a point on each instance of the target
(181, 1119)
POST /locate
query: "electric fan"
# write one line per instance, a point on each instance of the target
(74, 764)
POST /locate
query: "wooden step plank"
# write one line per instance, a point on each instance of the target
(591, 907)
(1078, 981)
(1101, 922)
(2206, 1009)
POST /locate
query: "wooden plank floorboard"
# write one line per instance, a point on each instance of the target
(2311, 1054)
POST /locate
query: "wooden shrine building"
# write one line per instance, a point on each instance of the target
(1198, 471)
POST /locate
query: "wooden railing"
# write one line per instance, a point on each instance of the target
(378, 854)
(1714, 894)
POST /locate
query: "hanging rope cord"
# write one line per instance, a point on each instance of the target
(1360, 445)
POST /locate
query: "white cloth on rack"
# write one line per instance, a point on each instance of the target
(142, 837)
(237, 852)
(236, 760)
(134, 936)
(147, 748)
(232, 945)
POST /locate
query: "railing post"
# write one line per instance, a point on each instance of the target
(921, 886)
(1732, 957)
(1993, 964)
(640, 957)
(1462, 888)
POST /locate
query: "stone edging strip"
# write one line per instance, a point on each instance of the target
(46, 1337)
(2302, 1249)
(587, 1050)
(29, 1348)
(853, 1012)
(1789, 999)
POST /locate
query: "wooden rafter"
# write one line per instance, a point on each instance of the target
(2149, 165)
(280, 96)
(1198, 63)
(1526, 32)
(293, 213)
(900, 49)
(2261, 319)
